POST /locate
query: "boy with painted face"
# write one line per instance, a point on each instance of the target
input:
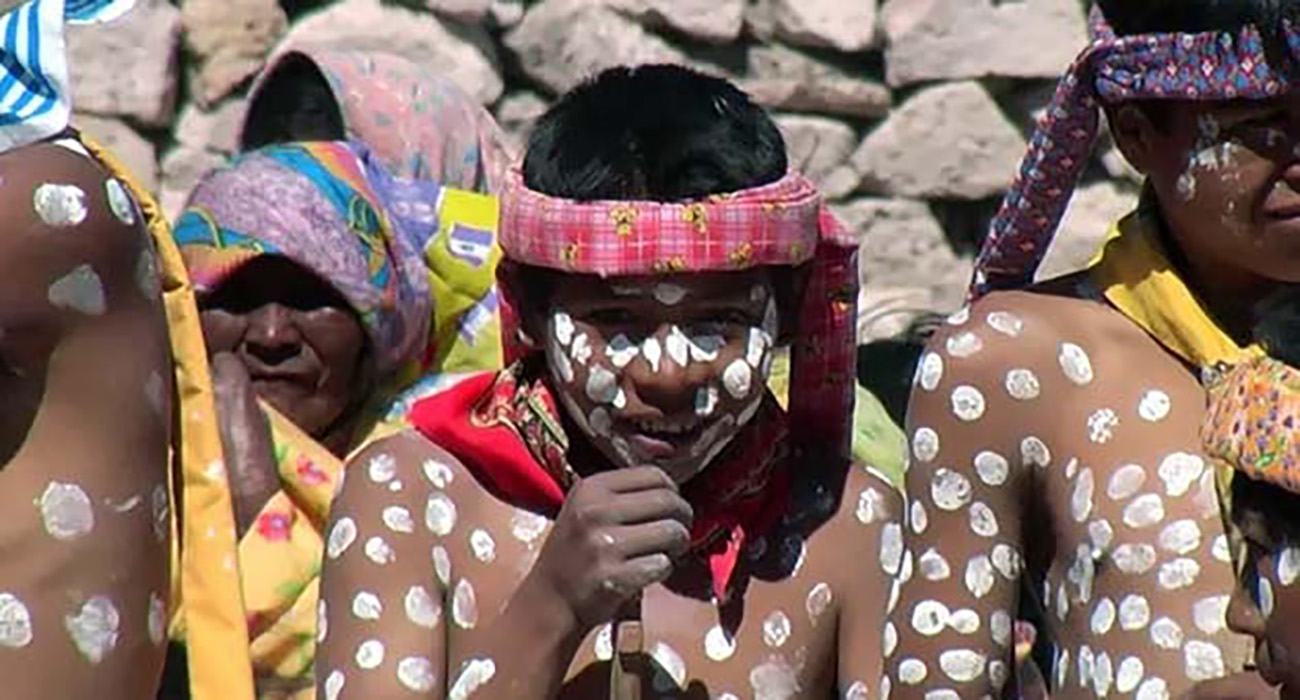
(1056, 431)
(626, 511)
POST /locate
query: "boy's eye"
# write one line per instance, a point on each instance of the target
(610, 317)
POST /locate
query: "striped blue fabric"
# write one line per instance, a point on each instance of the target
(34, 90)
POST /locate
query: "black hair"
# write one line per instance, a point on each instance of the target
(657, 132)
(295, 103)
(1269, 504)
(1277, 324)
(1129, 17)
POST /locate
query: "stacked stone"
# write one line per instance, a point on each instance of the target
(912, 115)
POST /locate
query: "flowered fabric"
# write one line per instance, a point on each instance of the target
(420, 125)
(1205, 66)
(784, 223)
(312, 203)
(1253, 423)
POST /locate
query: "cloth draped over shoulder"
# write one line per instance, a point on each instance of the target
(506, 427)
(333, 209)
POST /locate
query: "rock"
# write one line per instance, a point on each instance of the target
(463, 10)
(230, 39)
(816, 145)
(949, 141)
(1092, 211)
(715, 21)
(839, 183)
(126, 144)
(556, 55)
(182, 168)
(465, 54)
(902, 244)
(781, 78)
(506, 13)
(846, 25)
(961, 39)
(128, 68)
(516, 115)
(216, 130)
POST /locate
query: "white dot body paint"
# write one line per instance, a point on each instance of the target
(1103, 674)
(756, 347)
(1022, 385)
(968, 404)
(962, 665)
(60, 205)
(119, 201)
(737, 379)
(1134, 558)
(1081, 498)
(857, 691)
(156, 620)
(381, 468)
(1007, 561)
(379, 551)
(441, 564)
(669, 294)
(678, 346)
(602, 385)
(1101, 534)
(342, 535)
(1126, 482)
(147, 278)
(334, 684)
(1082, 573)
(1000, 628)
(1062, 668)
(1179, 471)
(965, 621)
(94, 629)
(950, 490)
(1154, 406)
(527, 526)
(964, 345)
(979, 576)
(818, 601)
(367, 606)
(563, 365)
(992, 468)
(891, 548)
(930, 371)
(1103, 616)
(706, 401)
(1006, 323)
(925, 444)
(983, 522)
(930, 617)
(399, 520)
(1144, 511)
(670, 662)
(912, 671)
(919, 518)
(464, 605)
(1203, 661)
(776, 629)
(483, 546)
(718, 645)
(889, 640)
(562, 327)
(1034, 452)
(475, 674)
(80, 290)
(773, 679)
(66, 511)
(1181, 537)
(1166, 634)
(438, 474)
(1210, 614)
(603, 645)
(653, 352)
(705, 348)
(322, 621)
(1076, 364)
(934, 567)
(1153, 689)
(621, 351)
(1287, 564)
(422, 609)
(415, 674)
(1101, 426)
(1134, 613)
(1265, 596)
(160, 504)
(871, 506)
(15, 622)
(1129, 674)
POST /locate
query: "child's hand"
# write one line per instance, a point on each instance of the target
(619, 531)
(245, 440)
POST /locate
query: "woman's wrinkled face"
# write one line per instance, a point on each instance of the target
(662, 370)
(298, 338)
(1227, 175)
(1266, 602)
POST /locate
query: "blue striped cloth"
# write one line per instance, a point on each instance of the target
(34, 90)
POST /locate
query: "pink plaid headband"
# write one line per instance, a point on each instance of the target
(785, 223)
(1205, 66)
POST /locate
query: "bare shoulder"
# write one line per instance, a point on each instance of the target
(410, 457)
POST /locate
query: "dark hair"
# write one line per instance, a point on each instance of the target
(1129, 17)
(1277, 324)
(1276, 507)
(295, 103)
(660, 132)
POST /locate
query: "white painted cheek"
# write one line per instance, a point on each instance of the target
(706, 401)
(621, 351)
(737, 379)
(562, 328)
(652, 352)
(94, 629)
(669, 294)
(15, 622)
(475, 674)
(66, 511)
(80, 290)
(677, 346)
(60, 205)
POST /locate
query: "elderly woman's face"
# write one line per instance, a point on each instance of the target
(298, 338)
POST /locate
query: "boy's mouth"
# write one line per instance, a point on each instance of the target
(663, 438)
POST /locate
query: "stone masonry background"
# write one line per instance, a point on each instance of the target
(912, 115)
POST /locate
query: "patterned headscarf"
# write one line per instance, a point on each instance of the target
(418, 124)
(1216, 65)
(1253, 422)
(314, 203)
(35, 91)
(780, 224)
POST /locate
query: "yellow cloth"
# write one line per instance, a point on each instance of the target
(204, 575)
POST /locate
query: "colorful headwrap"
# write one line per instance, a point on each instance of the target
(315, 204)
(780, 224)
(1204, 66)
(1253, 422)
(418, 124)
(35, 90)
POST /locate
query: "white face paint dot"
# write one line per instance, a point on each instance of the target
(1006, 323)
(1203, 661)
(669, 294)
(334, 685)
(1101, 426)
(934, 567)
(1134, 558)
(15, 622)
(1210, 614)
(66, 511)
(776, 629)
(652, 352)
(473, 676)
(1075, 364)
(464, 605)
(930, 617)
(1166, 634)
(718, 645)
(992, 468)
(483, 546)
(891, 548)
(621, 351)
(367, 606)
(562, 327)
(80, 290)
(60, 205)
(706, 401)
(1179, 471)
(925, 444)
(818, 601)
(737, 379)
(440, 514)
(930, 371)
(705, 348)
(1134, 613)
(1022, 385)
(398, 519)
(156, 620)
(563, 366)
(964, 345)
(1154, 406)
(979, 576)
(1288, 566)
(950, 490)
(343, 534)
(968, 404)
(94, 629)
(416, 674)
(962, 665)
(1264, 594)
(982, 520)
(603, 645)
(1034, 452)
(756, 347)
(678, 347)
(421, 608)
(912, 671)
(119, 201)
(1144, 511)
(919, 518)
(1126, 482)
(602, 385)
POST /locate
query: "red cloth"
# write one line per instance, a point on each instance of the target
(506, 430)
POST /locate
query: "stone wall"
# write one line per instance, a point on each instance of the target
(912, 115)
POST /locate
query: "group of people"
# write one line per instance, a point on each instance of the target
(391, 411)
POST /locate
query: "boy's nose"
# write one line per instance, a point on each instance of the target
(663, 375)
(1244, 616)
